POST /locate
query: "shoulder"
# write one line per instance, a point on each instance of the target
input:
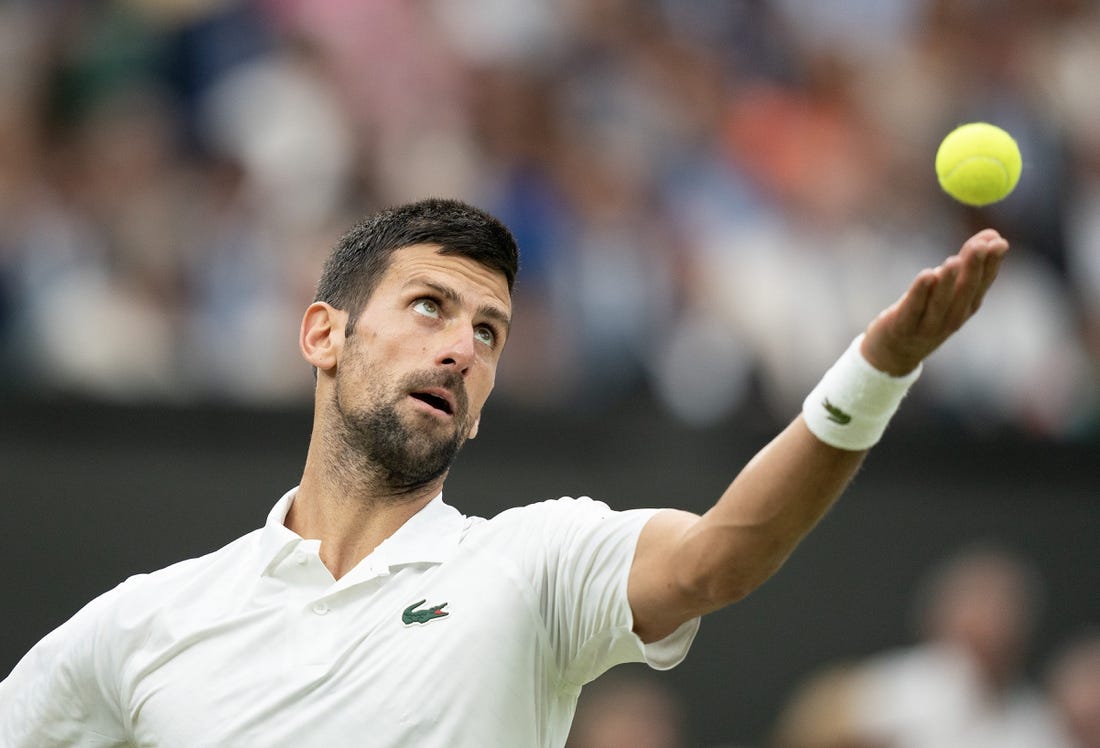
(568, 509)
(239, 552)
(214, 573)
(109, 622)
(561, 504)
(562, 525)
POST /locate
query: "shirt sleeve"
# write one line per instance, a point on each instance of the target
(63, 693)
(589, 549)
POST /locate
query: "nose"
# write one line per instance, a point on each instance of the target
(457, 350)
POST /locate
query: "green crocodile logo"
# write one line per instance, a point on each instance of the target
(410, 616)
(836, 415)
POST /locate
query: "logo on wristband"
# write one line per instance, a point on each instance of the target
(836, 415)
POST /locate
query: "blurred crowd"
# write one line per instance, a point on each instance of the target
(712, 197)
(962, 684)
(964, 681)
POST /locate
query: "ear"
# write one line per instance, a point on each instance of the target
(473, 429)
(322, 335)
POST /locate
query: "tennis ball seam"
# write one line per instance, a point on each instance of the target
(971, 159)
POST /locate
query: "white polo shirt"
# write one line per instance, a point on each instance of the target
(456, 631)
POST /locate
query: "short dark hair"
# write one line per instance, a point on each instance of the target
(362, 256)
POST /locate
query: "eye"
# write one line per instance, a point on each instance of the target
(427, 307)
(485, 334)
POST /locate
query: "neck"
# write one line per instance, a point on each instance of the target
(348, 507)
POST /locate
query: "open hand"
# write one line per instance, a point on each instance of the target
(938, 303)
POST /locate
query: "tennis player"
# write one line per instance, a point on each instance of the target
(368, 612)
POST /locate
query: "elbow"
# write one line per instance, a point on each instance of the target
(706, 593)
(734, 587)
(713, 583)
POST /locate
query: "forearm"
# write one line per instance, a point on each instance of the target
(769, 507)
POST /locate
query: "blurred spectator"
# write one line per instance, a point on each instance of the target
(1073, 683)
(627, 711)
(963, 685)
(819, 713)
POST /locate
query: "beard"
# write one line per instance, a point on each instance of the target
(402, 455)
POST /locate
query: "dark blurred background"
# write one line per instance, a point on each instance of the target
(712, 198)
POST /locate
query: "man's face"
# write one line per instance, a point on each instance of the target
(421, 361)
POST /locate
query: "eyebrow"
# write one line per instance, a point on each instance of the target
(451, 295)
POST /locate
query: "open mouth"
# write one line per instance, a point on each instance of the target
(436, 401)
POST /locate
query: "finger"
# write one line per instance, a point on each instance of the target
(978, 264)
(939, 301)
(968, 282)
(991, 268)
(987, 235)
(910, 308)
(986, 241)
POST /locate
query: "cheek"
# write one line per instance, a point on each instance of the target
(362, 373)
(390, 351)
(478, 389)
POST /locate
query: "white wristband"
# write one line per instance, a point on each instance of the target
(852, 404)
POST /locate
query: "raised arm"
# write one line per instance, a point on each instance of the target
(686, 565)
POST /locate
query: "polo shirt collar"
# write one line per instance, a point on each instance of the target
(277, 540)
(429, 536)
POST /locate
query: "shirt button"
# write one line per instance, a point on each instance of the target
(320, 609)
(300, 557)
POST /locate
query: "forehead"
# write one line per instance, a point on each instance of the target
(421, 264)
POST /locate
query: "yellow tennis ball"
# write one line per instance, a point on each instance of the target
(978, 164)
